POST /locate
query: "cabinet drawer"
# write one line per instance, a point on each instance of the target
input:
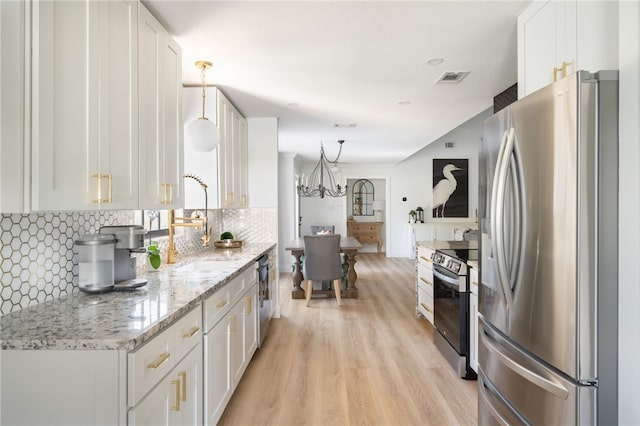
(424, 256)
(425, 282)
(149, 364)
(216, 306)
(425, 304)
(241, 283)
(473, 278)
(188, 332)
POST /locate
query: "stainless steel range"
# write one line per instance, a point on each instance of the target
(451, 307)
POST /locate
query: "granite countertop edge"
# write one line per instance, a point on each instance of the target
(123, 320)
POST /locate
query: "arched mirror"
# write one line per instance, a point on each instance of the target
(362, 198)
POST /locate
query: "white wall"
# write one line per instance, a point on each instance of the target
(287, 221)
(629, 206)
(263, 161)
(412, 179)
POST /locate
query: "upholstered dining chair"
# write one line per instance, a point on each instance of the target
(322, 263)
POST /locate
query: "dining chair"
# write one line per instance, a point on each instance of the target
(322, 263)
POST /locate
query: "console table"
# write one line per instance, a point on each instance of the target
(366, 232)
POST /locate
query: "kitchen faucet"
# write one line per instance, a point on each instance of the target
(195, 222)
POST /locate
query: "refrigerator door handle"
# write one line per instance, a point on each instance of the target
(519, 369)
(498, 217)
(494, 206)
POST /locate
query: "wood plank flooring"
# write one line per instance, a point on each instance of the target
(369, 362)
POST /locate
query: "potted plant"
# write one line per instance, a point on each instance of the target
(412, 216)
(153, 254)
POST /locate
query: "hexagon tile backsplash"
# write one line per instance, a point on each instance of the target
(37, 249)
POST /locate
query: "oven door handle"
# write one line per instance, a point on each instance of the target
(451, 282)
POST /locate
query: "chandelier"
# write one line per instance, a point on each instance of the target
(322, 181)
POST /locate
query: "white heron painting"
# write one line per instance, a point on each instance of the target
(450, 188)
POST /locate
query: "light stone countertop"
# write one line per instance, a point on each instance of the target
(123, 320)
(443, 245)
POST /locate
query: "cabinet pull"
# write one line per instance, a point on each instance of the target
(563, 68)
(158, 362)
(167, 193)
(191, 332)
(183, 376)
(474, 283)
(101, 176)
(426, 282)
(425, 307)
(222, 304)
(249, 301)
(426, 259)
(229, 200)
(233, 326)
(243, 203)
(176, 407)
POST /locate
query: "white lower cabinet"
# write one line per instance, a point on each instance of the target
(424, 283)
(177, 399)
(229, 343)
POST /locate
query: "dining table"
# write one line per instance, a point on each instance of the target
(349, 247)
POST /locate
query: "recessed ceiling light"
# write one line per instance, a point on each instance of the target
(404, 103)
(435, 61)
(346, 125)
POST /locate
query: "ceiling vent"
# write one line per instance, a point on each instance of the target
(345, 125)
(451, 77)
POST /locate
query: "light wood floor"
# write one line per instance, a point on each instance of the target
(369, 362)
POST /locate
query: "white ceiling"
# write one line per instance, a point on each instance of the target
(314, 64)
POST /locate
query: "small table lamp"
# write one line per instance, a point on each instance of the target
(378, 207)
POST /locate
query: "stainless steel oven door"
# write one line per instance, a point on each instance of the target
(451, 307)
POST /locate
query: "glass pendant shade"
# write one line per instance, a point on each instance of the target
(202, 135)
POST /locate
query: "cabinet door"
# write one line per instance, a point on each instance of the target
(160, 116)
(217, 383)
(225, 151)
(84, 105)
(189, 374)
(237, 318)
(156, 408)
(547, 41)
(242, 163)
(250, 324)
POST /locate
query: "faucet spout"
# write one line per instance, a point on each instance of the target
(206, 238)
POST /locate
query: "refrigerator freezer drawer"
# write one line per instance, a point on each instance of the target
(518, 389)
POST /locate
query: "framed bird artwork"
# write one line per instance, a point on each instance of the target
(450, 188)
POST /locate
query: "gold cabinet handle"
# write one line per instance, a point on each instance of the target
(158, 362)
(249, 301)
(99, 177)
(425, 307)
(176, 383)
(474, 283)
(191, 332)
(426, 282)
(183, 379)
(243, 201)
(426, 259)
(563, 68)
(222, 304)
(167, 193)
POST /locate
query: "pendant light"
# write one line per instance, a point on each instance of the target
(202, 134)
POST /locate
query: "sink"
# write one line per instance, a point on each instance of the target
(208, 265)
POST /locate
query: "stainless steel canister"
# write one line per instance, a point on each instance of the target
(95, 262)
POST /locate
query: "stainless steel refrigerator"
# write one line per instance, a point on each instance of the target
(548, 207)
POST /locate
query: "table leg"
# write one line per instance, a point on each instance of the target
(297, 276)
(351, 274)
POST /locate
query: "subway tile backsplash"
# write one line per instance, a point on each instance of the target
(39, 259)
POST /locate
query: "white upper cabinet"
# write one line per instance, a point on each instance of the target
(84, 105)
(232, 156)
(557, 38)
(160, 116)
(13, 101)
